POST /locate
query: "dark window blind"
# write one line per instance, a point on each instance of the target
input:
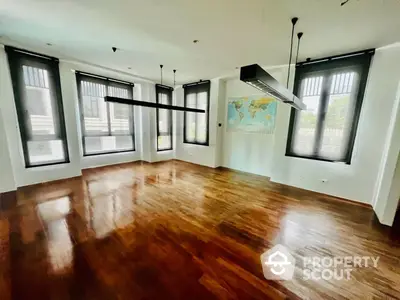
(196, 125)
(164, 118)
(106, 127)
(333, 91)
(38, 100)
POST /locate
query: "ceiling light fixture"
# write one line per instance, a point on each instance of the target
(114, 49)
(195, 41)
(344, 2)
(258, 78)
(161, 66)
(174, 78)
(299, 36)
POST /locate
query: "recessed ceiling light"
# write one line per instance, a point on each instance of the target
(195, 41)
(49, 44)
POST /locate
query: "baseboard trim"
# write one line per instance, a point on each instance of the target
(335, 198)
(242, 172)
(43, 184)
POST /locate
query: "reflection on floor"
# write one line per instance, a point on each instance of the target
(174, 230)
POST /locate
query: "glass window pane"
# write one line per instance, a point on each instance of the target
(120, 114)
(38, 101)
(164, 116)
(306, 120)
(190, 125)
(201, 122)
(101, 144)
(94, 108)
(164, 142)
(338, 118)
(41, 152)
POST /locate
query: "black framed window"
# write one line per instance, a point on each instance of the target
(333, 90)
(37, 92)
(164, 118)
(106, 127)
(196, 125)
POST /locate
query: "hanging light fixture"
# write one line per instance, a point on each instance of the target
(260, 79)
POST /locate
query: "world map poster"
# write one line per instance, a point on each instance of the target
(252, 114)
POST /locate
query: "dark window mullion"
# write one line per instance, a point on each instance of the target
(108, 109)
(132, 117)
(322, 110)
(82, 116)
(196, 138)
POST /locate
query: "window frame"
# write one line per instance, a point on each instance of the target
(16, 58)
(106, 81)
(195, 86)
(359, 61)
(166, 90)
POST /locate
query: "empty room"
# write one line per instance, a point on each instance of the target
(209, 149)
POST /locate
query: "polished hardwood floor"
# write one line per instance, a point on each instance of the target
(174, 230)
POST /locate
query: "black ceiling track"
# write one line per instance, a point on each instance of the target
(196, 83)
(151, 104)
(104, 78)
(10, 48)
(165, 87)
(351, 54)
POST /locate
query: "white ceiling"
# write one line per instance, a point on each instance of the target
(232, 33)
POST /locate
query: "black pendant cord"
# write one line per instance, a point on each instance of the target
(294, 21)
(174, 78)
(161, 66)
(299, 35)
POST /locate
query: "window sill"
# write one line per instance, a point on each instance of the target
(44, 166)
(197, 144)
(317, 159)
(109, 153)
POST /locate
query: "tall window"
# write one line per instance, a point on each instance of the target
(333, 90)
(106, 127)
(37, 93)
(197, 95)
(164, 118)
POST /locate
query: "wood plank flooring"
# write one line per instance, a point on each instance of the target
(174, 230)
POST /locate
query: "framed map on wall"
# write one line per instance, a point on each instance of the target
(251, 114)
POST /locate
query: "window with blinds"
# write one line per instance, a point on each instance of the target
(164, 118)
(332, 91)
(196, 125)
(106, 127)
(38, 100)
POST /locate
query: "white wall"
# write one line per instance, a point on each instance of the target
(7, 182)
(387, 187)
(248, 152)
